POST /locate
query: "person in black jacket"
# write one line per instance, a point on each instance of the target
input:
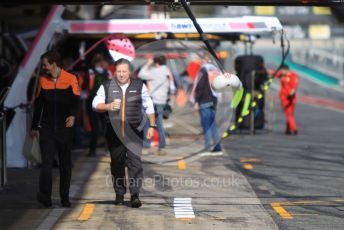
(97, 75)
(124, 100)
(55, 109)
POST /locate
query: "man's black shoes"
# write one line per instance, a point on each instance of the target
(135, 201)
(119, 200)
(66, 204)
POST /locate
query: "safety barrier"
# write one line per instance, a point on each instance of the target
(326, 57)
(326, 62)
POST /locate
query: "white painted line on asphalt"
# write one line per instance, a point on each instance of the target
(182, 214)
(220, 153)
(51, 219)
(55, 214)
(186, 208)
(182, 200)
(182, 205)
(183, 208)
(185, 216)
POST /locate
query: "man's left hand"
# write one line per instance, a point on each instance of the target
(150, 133)
(70, 121)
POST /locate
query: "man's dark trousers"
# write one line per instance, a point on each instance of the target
(52, 140)
(125, 151)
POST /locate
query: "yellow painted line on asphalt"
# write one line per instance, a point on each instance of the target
(296, 203)
(248, 166)
(86, 212)
(281, 211)
(184, 219)
(181, 164)
(248, 160)
(286, 215)
(217, 218)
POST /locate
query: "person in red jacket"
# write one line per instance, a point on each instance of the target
(289, 83)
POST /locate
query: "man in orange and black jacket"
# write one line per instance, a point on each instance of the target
(55, 109)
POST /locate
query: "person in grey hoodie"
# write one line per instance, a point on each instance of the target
(160, 84)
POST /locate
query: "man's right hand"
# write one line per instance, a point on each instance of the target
(113, 106)
(34, 133)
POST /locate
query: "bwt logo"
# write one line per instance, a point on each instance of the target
(181, 26)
